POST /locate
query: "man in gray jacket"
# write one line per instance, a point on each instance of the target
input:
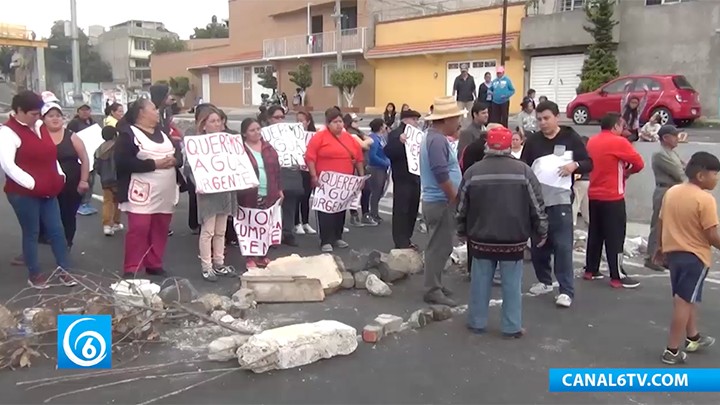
(473, 131)
(669, 170)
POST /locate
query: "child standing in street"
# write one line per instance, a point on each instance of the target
(688, 229)
(105, 168)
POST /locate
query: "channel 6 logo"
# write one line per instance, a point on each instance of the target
(84, 341)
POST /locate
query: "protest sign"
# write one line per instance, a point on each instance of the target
(413, 139)
(337, 192)
(258, 229)
(308, 136)
(219, 163)
(92, 139)
(289, 140)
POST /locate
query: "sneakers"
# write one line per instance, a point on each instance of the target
(18, 261)
(66, 279)
(367, 220)
(541, 288)
(624, 282)
(227, 271)
(38, 282)
(327, 248)
(563, 300)
(171, 232)
(118, 227)
(672, 359)
(208, 273)
(695, 345)
(341, 244)
(588, 275)
(309, 229)
(346, 229)
(299, 230)
(355, 221)
(438, 297)
(378, 219)
(108, 230)
(86, 210)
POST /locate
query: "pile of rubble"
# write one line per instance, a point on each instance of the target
(374, 270)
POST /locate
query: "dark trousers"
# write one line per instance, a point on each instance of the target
(230, 234)
(406, 202)
(302, 213)
(289, 209)
(376, 186)
(499, 113)
(607, 227)
(657, 198)
(364, 200)
(331, 227)
(69, 201)
(558, 248)
(192, 207)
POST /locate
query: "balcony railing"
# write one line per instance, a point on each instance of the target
(352, 40)
(546, 7)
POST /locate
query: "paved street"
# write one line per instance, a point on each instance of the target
(441, 363)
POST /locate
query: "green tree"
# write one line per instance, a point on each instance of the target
(268, 79)
(601, 65)
(180, 86)
(6, 53)
(213, 30)
(58, 57)
(167, 45)
(347, 81)
(302, 77)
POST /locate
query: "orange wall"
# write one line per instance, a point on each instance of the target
(479, 22)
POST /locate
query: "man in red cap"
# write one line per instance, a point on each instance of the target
(500, 207)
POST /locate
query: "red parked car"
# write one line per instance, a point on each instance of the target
(671, 96)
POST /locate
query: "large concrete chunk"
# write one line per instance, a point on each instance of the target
(296, 345)
(408, 261)
(284, 288)
(322, 267)
(224, 348)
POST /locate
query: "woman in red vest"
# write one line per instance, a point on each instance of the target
(33, 180)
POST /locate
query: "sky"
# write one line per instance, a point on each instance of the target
(179, 16)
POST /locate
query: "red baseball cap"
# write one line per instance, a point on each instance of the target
(499, 138)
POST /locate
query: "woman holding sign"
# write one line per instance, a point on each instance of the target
(213, 210)
(265, 161)
(147, 165)
(333, 150)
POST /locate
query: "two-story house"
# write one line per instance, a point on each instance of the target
(653, 36)
(278, 36)
(127, 48)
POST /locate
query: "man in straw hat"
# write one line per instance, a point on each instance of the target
(440, 178)
(500, 207)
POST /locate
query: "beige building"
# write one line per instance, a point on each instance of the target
(277, 35)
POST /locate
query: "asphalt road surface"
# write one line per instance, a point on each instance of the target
(442, 363)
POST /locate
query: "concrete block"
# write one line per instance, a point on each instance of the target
(377, 287)
(361, 279)
(348, 281)
(225, 348)
(390, 323)
(284, 288)
(297, 345)
(321, 267)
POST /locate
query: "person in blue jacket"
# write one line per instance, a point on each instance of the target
(502, 91)
(378, 165)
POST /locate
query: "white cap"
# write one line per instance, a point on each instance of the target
(49, 97)
(49, 106)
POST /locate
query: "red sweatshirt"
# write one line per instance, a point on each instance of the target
(614, 159)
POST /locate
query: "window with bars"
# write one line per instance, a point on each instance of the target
(570, 5)
(659, 2)
(232, 74)
(329, 68)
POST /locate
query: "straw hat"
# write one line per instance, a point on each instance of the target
(445, 107)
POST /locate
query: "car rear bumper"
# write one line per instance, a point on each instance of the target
(687, 112)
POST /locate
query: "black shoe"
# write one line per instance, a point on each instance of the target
(438, 297)
(171, 232)
(160, 272)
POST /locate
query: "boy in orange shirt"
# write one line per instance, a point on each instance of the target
(688, 228)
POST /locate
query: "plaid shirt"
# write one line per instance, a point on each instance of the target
(249, 198)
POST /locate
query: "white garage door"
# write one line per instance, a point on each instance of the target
(476, 68)
(556, 77)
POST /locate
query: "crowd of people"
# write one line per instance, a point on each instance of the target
(501, 191)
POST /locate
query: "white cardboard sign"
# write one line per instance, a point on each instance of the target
(258, 229)
(219, 163)
(92, 139)
(413, 140)
(290, 142)
(337, 192)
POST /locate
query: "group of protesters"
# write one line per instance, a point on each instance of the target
(499, 191)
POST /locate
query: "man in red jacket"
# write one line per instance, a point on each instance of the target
(614, 160)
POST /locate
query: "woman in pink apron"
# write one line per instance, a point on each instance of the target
(147, 175)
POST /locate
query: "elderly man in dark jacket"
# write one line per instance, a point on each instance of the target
(500, 206)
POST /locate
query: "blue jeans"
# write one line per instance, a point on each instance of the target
(30, 212)
(560, 244)
(481, 283)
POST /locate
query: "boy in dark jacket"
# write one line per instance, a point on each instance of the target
(105, 168)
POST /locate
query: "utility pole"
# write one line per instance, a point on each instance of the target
(338, 43)
(503, 37)
(77, 86)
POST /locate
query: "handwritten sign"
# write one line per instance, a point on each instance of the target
(219, 163)
(92, 139)
(414, 138)
(308, 136)
(290, 142)
(258, 229)
(337, 192)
